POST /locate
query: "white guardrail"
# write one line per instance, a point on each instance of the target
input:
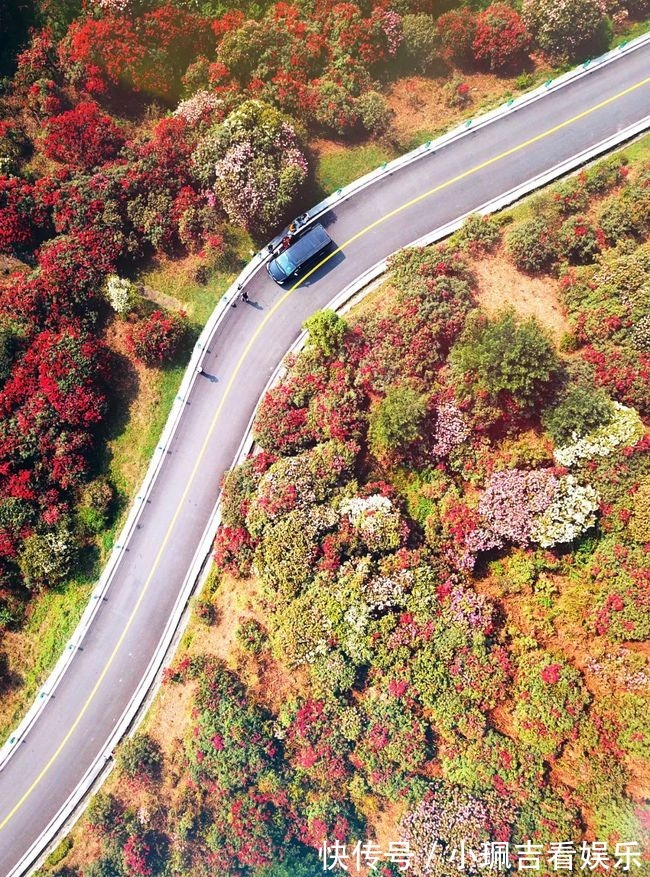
(199, 568)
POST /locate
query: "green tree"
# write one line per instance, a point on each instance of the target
(420, 48)
(504, 355)
(326, 332)
(395, 421)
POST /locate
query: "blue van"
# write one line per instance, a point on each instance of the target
(307, 249)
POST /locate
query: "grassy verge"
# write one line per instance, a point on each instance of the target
(338, 167)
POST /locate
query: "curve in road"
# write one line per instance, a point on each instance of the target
(247, 345)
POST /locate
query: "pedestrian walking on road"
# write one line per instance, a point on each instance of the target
(244, 296)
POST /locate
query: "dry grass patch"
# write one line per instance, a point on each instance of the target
(500, 283)
(421, 103)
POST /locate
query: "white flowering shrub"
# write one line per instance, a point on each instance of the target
(198, 108)
(47, 558)
(641, 334)
(114, 7)
(571, 511)
(385, 591)
(376, 521)
(120, 293)
(624, 429)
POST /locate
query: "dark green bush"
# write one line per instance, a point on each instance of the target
(533, 245)
(140, 757)
(581, 410)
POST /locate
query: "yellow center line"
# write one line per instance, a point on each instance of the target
(229, 385)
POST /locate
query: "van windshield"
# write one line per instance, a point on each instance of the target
(285, 263)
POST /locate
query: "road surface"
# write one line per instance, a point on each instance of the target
(101, 679)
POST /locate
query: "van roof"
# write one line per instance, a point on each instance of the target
(305, 247)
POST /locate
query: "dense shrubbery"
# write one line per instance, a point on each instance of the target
(407, 663)
(403, 453)
(550, 698)
(83, 137)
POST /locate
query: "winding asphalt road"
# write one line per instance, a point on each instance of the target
(100, 680)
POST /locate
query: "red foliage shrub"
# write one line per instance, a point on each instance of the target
(551, 674)
(49, 407)
(136, 854)
(501, 39)
(457, 30)
(71, 269)
(156, 339)
(624, 373)
(233, 551)
(38, 60)
(44, 99)
(22, 216)
(281, 425)
(149, 53)
(82, 137)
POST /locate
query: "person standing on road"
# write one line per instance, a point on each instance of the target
(244, 296)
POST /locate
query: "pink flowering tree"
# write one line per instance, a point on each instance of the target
(448, 816)
(254, 164)
(514, 499)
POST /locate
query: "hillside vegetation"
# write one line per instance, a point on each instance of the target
(428, 619)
